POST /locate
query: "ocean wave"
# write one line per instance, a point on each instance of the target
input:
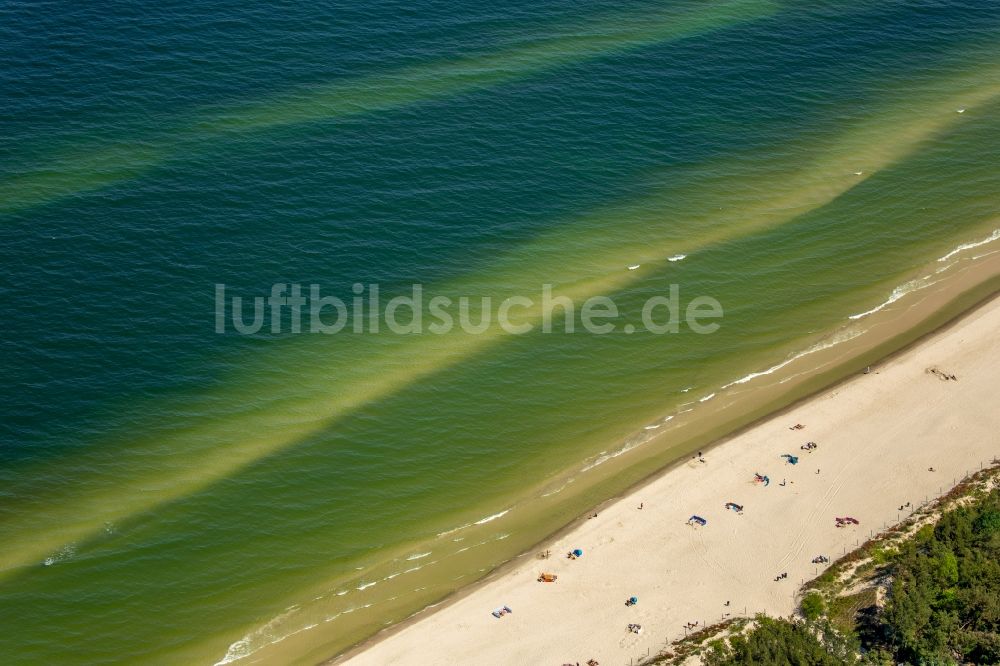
(487, 519)
(604, 456)
(677, 257)
(897, 293)
(653, 427)
(258, 639)
(365, 586)
(946, 267)
(418, 556)
(826, 344)
(968, 246)
(557, 490)
(706, 398)
(453, 530)
(65, 553)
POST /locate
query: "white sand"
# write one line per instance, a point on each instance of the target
(878, 434)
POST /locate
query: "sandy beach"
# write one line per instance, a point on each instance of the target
(897, 436)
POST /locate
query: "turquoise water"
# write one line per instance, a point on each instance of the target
(170, 494)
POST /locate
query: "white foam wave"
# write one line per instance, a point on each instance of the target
(557, 490)
(826, 344)
(453, 530)
(258, 639)
(897, 293)
(487, 519)
(968, 246)
(604, 456)
(677, 257)
(417, 556)
(63, 554)
(365, 586)
(706, 398)
(653, 427)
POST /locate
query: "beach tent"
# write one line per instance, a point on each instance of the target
(578, 553)
(792, 460)
(698, 519)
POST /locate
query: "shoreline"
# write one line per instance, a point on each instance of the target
(556, 505)
(937, 330)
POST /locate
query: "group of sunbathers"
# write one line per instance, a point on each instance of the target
(847, 520)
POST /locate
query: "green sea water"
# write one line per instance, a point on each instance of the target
(172, 494)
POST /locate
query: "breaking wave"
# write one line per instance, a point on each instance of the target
(968, 246)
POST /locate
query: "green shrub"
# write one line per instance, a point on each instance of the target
(782, 642)
(813, 606)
